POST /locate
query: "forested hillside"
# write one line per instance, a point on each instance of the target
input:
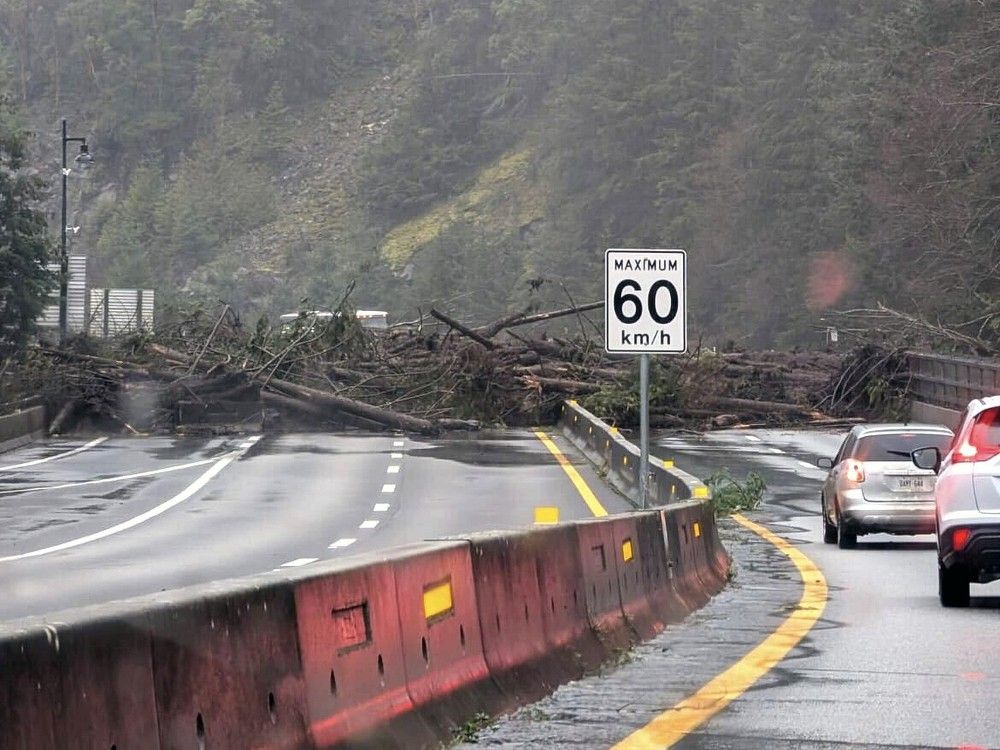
(480, 156)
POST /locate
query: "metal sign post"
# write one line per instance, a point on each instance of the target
(643, 429)
(645, 312)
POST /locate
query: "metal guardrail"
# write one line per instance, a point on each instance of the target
(952, 382)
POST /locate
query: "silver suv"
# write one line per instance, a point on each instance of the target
(967, 501)
(873, 485)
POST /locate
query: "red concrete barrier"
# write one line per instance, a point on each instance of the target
(599, 562)
(84, 686)
(226, 670)
(352, 658)
(562, 588)
(633, 569)
(446, 673)
(533, 620)
(659, 568)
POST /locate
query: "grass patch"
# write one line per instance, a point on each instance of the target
(730, 495)
(469, 731)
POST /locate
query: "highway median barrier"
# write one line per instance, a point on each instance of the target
(391, 650)
(21, 427)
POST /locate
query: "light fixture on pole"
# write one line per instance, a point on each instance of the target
(84, 159)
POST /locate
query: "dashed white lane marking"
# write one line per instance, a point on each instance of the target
(345, 542)
(177, 499)
(753, 438)
(299, 562)
(398, 444)
(381, 507)
(80, 449)
(807, 465)
(394, 469)
(387, 488)
(775, 451)
(370, 524)
(396, 455)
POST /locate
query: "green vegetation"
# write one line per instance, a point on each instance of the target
(24, 243)
(620, 404)
(729, 495)
(480, 157)
(469, 731)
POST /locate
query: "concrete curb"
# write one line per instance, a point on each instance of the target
(21, 427)
(393, 650)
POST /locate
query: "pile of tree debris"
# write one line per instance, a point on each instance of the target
(213, 373)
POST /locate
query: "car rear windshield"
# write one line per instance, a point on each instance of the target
(898, 446)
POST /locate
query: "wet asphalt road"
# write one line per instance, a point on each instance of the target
(886, 666)
(160, 513)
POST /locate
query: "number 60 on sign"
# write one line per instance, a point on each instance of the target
(645, 301)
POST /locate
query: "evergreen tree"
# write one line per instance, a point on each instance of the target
(24, 244)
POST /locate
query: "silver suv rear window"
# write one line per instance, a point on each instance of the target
(898, 446)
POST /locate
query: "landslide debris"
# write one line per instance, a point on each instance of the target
(209, 372)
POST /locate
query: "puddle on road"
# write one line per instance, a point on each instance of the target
(485, 453)
(88, 510)
(47, 524)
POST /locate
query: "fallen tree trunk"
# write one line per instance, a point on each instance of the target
(384, 417)
(510, 322)
(756, 407)
(464, 330)
(561, 384)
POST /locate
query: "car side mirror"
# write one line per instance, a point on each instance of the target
(927, 458)
(825, 463)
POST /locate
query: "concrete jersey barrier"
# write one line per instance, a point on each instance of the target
(605, 446)
(393, 650)
(21, 427)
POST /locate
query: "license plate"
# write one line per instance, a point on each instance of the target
(912, 484)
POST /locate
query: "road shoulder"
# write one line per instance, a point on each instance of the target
(601, 710)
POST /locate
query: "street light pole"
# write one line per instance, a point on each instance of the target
(63, 257)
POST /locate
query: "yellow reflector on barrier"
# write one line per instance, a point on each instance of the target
(701, 491)
(668, 463)
(572, 402)
(624, 460)
(614, 430)
(697, 529)
(437, 599)
(627, 550)
(545, 514)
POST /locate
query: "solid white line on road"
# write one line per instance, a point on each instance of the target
(299, 562)
(177, 499)
(387, 488)
(392, 469)
(396, 455)
(368, 525)
(381, 507)
(80, 449)
(138, 475)
(398, 444)
(345, 542)
(106, 480)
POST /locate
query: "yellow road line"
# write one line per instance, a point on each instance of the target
(673, 725)
(574, 476)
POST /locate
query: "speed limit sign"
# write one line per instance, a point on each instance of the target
(645, 301)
